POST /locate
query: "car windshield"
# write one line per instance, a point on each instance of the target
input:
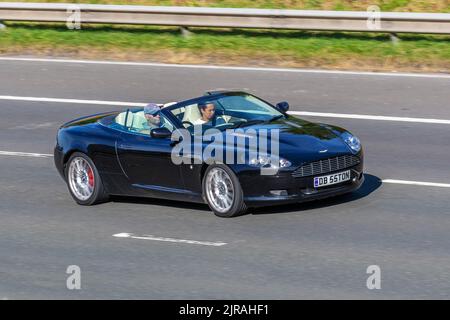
(226, 112)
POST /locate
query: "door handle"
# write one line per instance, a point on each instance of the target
(125, 147)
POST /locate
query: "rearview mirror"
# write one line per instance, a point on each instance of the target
(283, 106)
(160, 133)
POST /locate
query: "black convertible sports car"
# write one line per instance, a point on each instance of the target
(122, 153)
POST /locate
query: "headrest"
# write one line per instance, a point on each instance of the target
(191, 113)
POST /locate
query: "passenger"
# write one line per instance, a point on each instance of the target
(208, 110)
(152, 114)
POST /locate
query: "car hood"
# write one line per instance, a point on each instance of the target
(301, 141)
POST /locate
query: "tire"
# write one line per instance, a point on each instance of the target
(88, 188)
(218, 196)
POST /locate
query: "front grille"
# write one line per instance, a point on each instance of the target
(326, 166)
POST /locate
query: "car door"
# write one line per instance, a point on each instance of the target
(147, 162)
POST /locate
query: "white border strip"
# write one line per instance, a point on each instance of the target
(78, 101)
(216, 67)
(417, 183)
(152, 238)
(25, 154)
(368, 117)
(299, 113)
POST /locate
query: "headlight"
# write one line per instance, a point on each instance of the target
(265, 161)
(285, 163)
(352, 141)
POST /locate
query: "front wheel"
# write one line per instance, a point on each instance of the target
(222, 191)
(83, 180)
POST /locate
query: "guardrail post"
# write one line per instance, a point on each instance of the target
(185, 32)
(394, 38)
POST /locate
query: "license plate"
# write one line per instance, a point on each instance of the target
(331, 179)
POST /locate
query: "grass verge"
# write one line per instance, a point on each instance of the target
(331, 50)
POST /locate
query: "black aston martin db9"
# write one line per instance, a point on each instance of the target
(228, 149)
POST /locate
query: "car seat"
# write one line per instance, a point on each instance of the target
(121, 117)
(191, 113)
(139, 121)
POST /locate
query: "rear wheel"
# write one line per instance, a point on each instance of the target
(83, 180)
(222, 191)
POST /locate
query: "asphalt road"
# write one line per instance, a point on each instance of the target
(304, 251)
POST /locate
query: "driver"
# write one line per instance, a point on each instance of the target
(207, 111)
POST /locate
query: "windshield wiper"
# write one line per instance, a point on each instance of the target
(247, 123)
(275, 118)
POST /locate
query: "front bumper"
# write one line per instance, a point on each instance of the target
(257, 189)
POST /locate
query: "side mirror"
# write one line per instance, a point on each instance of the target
(160, 133)
(283, 106)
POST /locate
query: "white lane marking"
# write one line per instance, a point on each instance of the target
(58, 100)
(417, 183)
(33, 126)
(152, 238)
(368, 117)
(217, 67)
(25, 154)
(128, 235)
(299, 113)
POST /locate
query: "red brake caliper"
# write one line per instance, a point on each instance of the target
(91, 177)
